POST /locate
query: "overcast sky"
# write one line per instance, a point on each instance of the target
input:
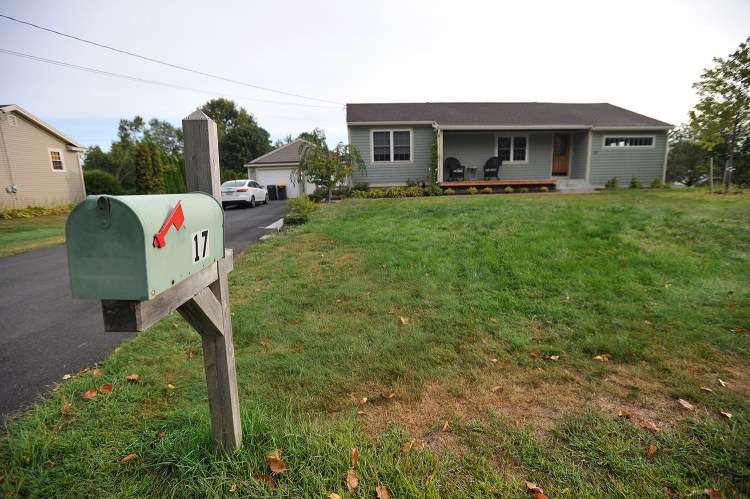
(640, 55)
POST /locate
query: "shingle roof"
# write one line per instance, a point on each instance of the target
(501, 114)
(7, 108)
(285, 154)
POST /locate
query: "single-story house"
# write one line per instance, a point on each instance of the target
(568, 145)
(275, 168)
(39, 166)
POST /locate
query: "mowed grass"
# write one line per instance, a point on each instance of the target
(18, 235)
(441, 310)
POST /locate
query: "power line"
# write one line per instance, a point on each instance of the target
(153, 82)
(169, 64)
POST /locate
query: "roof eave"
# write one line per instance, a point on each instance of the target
(41, 124)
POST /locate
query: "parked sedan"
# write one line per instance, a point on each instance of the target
(244, 192)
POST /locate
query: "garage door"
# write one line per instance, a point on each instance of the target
(276, 176)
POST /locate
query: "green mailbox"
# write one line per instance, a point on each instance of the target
(135, 247)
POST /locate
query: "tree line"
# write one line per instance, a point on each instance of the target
(719, 126)
(147, 157)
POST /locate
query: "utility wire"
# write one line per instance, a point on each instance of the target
(152, 82)
(169, 64)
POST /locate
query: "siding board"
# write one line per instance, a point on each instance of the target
(646, 163)
(397, 172)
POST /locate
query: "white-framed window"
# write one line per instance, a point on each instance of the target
(56, 159)
(391, 145)
(625, 141)
(513, 148)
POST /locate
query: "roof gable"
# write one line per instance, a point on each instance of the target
(500, 114)
(285, 154)
(12, 108)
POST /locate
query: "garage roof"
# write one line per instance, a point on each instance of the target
(285, 155)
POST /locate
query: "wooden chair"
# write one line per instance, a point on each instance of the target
(455, 169)
(492, 168)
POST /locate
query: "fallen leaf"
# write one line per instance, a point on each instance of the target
(170, 386)
(83, 371)
(98, 372)
(519, 422)
(383, 492)
(494, 361)
(362, 413)
(175, 325)
(691, 371)
(106, 388)
(730, 292)
(431, 477)
(734, 305)
(363, 401)
(712, 493)
(339, 300)
(533, 488)
(266, 480)
(67, 376)
(667, 284)
(495, 389)
(493, 320)
(538, 495)
(407, 447)
(274, 461)
(687, 405)
(56, 388)
(502, 365)
(446, 427)
(554, 357)
(535, 355)
(191, 354)
(366, 293)
(390, 395)
(651, 451)
(566, 299)
(706, 389)
(625, 414)
(600, 358)
(162, 433)
(648, 425)
(418, 445)
(129, 458)
(723, 383)
(351, 480)
(90, 394)
(648, 322)
(385, 266)
(739, 330)
(334, 496)
(355, 457)
(233, 487)
(404, 320)
(726, 414)
(65, 410)
(133, 378)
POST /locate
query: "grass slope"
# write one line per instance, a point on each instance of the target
(435, 310)
(18, 235)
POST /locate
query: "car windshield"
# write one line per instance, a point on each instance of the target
(234, 183)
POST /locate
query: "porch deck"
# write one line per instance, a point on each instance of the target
(498, 183)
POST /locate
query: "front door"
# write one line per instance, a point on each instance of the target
(561, 154)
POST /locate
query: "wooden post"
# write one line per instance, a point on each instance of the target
(711, 173)
(202, 173)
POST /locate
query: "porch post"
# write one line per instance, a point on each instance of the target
(439, 165)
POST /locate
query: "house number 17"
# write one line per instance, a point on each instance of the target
(200, 246)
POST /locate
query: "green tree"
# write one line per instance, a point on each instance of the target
(149, 171)
(722, 116)
(241, 139)
(282, 142)
(326, 167)
(687, 161)
(99, 182)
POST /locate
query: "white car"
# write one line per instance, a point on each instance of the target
(245, 192)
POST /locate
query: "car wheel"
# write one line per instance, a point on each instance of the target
(252, 202)
(266, 200)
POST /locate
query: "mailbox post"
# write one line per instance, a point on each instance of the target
(146, 256)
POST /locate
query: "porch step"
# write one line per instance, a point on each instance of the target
(573, 185)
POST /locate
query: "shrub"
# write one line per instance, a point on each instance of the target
(487, 190)
(523, 189)
(396, 192)
(657, 183)
(472, 190)
(635, 183)
(377, 193)
(302, 205)
(360, 194)
(449, 191)
(35, 211)
(544, 188)
(361, 186)
(508, 190)
(294, 218)
(433, 190)
(611, 184)
(411, 183)
(414, 192)
(101, 182)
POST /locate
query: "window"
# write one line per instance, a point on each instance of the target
(513, 148)
(391, 145)
(628, 141)
(56, 159)
(11, 120)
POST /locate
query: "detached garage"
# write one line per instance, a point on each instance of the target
(275, 168)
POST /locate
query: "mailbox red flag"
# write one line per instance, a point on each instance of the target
(176, 218)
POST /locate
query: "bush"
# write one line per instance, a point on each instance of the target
(472, 190)
(360, 194)
(523, 189)
(487, 190)
(302, 205)
(362, 186)
(449, 191)
(101, 182)
(657, 183)
(377, 193)
(411, 183)
(396, 192)
(635, 183)
(35, 211)
(295, 219)
(611, 184)
(508, 190)
(433, 190)
(544, 188)
(414, 192)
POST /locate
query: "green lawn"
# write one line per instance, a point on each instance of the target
(18, 235)
(451, 309)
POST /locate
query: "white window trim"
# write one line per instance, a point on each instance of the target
(627, 136)
(390, 131)
(512, 137)
(50, 150)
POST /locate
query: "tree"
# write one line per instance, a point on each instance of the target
(99, 182)
(722, 116)
(149, 171)
(282, 142)
(327, 167)
(687, 161)
(241, 139)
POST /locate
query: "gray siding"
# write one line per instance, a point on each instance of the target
(646, 163)
(397, 172)
(473, 149)
(580, 149)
